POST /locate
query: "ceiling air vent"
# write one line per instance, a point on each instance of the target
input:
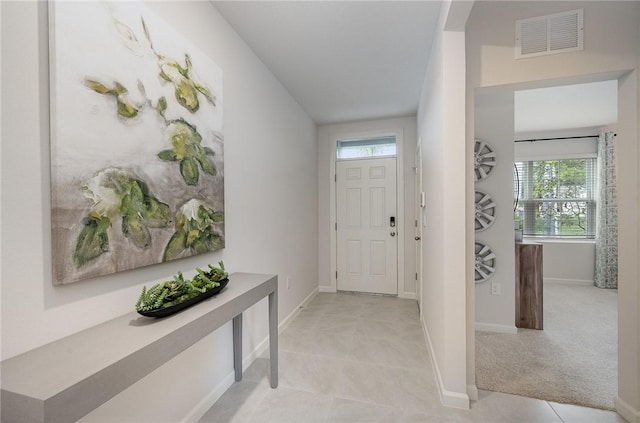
(551, 34)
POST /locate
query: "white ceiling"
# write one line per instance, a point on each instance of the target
(355, 60)
(566, 107)
(342, 60)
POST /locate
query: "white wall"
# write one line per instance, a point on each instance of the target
(497, 312)
(271, 211)
(326, 133)
(446, 257)
(610, 41)
(568, 261)
(611, 51)
(560, 149)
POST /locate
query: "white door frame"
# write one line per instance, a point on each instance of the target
(419, 221)
(401, 224)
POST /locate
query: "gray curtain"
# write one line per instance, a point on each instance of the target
(606, 273)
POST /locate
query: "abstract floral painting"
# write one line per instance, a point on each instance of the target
(137, 173)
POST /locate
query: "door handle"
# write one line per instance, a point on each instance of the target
(417, 238)
(393, 234)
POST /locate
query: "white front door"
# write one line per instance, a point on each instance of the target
(367, 226)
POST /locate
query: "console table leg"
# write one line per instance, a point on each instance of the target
(273, 337)
(237, 346)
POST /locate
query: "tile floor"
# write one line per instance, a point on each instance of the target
(360, 358)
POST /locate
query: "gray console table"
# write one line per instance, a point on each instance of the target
(66, 379)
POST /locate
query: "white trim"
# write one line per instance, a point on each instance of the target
(207, 402)
(287, 320)
(472, 391)
(419, 197)
(333, 138)
(333, 241)
(581, 282)
(629, 413)
(447, 398)
(491, 327)
(324, 288)
(407, 295)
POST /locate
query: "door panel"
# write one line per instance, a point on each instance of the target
(354, 258)
(367, 243)
(378, 258)
(354, 210)
(377, 210)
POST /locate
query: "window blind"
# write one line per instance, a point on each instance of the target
(556, 198)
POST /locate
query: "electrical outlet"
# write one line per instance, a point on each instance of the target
(288, 283)
(495, 288)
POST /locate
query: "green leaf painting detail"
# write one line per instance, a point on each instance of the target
(189, 151)
(196, 231)
(186, 85)
(117, 193)
(123, 210)
(93, 239)
(123, 107)
(161, 106)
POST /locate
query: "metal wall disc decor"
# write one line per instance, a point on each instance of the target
(485, 211)
(484, 159)
(485, 265)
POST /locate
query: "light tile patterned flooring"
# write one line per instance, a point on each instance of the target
(361, 358)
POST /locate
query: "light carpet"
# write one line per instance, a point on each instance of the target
(573, 360)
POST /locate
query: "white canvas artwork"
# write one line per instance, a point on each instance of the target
(136, 141)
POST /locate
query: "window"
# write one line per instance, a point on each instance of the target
(556, 198)
(366, 148)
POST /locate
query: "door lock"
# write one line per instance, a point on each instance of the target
(392, 221)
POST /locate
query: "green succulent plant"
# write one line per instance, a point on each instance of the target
(178, 290)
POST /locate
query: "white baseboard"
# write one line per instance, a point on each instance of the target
(407, 295)
(455, 400)
(287, 320)
(207, 402)
(584, 282)
(472, 391)
(490, 327)
(324, 288)
(447, 398)
(629, 413)
(404, 295)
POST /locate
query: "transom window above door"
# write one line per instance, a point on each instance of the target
(366, 148)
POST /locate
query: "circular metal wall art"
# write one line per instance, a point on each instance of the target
(485, 265)
(484, 159)
(485, 212)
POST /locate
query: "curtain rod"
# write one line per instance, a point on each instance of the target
(561, 138)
